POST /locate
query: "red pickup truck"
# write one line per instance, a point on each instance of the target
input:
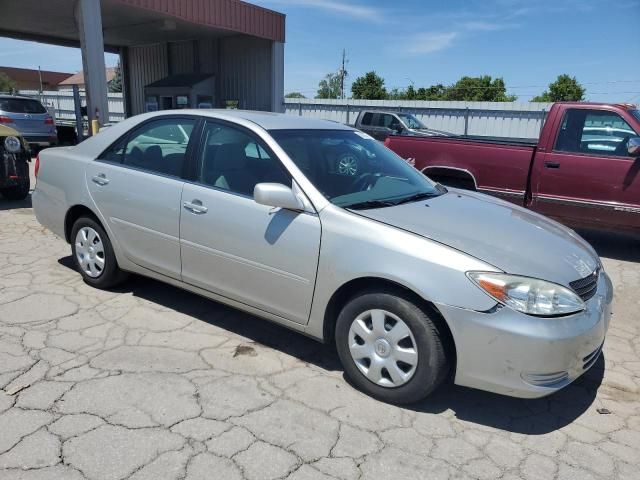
(584, 171)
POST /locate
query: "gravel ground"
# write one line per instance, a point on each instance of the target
(151, 382)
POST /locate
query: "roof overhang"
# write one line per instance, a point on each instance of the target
(139, 22)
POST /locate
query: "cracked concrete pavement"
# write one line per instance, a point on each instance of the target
(151, 382)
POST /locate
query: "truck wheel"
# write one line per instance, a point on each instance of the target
(93, 254)
(18, 192)
(389, 347)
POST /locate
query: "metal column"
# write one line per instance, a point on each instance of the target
(89, 20)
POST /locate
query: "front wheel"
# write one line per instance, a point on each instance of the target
(390, 348)
(17, 192)
(93, 254)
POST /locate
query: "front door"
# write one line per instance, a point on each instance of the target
(589, 178)
(261, 256)
(137, 186)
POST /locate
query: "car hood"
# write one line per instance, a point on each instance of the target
(504, 235)
(8, 132)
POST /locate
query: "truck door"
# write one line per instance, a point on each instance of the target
(588, 178)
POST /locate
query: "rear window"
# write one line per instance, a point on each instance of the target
(21, 105)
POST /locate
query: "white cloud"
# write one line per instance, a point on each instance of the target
(484, 26)
(429, 42)
(338, 7)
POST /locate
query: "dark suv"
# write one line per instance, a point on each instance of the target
(380, 124)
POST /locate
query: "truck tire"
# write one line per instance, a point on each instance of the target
(389, 347)
(93, 254)
(18, 192)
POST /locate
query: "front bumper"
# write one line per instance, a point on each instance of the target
(514, 354)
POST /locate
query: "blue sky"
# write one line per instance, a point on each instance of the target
(527, 42)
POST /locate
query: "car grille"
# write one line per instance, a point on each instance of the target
(586, 287)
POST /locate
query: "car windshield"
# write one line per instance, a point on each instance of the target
(411, 121)
(21, 105)
(352, 170)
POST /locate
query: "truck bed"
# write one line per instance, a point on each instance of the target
(499, 167)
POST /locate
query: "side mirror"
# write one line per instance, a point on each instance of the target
(277, 195)
(633, 147)
(398, 129)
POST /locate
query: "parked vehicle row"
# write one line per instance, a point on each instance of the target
(584, 170)
(415, 283)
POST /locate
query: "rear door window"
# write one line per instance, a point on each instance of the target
(366, 118)
(21, 105)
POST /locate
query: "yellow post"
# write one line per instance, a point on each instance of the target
(95, 127)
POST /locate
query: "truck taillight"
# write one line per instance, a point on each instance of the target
(48, 121)
(37, 167)
(387, 142)
(5, 119)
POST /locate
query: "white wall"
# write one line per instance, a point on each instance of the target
(496, 119)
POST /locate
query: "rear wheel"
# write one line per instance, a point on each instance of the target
(93, 254)
(389, 347)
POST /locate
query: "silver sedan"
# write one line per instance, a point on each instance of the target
(316, 226)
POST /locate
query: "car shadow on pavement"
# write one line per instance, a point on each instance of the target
(235, 321)
(14, 204)
(525, 416)
(618, 246)
(533, 417)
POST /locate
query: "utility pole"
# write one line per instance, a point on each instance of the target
(343, 73)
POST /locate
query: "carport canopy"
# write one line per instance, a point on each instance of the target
(97, 26)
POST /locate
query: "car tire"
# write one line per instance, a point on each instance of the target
(397, 381)
(90, 242)
(20, 191)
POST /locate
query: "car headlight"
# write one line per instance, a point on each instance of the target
(12, 144)
(528, 295)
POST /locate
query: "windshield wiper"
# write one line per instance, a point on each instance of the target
(369, 204)
(417, 196)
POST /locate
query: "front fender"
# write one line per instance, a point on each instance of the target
(353, 247)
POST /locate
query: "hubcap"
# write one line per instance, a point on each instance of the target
(90, 252)
(383, 348)
(348, 165)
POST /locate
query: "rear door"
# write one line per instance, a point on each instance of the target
(137, 186)
(366, 123)
(589, 178)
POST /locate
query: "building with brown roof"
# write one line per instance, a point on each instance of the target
(29, 79)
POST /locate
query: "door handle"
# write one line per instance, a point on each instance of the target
(101, 179)
(552, 165)
(195, 207)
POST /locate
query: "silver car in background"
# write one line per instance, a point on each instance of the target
(29, 117)
(413, 282)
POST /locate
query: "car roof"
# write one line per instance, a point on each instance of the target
(267, 120)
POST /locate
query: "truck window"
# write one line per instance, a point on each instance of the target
(387, 121)
(366, 118)
(594, 132)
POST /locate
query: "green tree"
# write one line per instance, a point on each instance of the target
(294, 95)
(478, 89)
(434, 92)
(115, 84)
(369, 87)
(564, 89)
(6, 84)
(329, 86)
